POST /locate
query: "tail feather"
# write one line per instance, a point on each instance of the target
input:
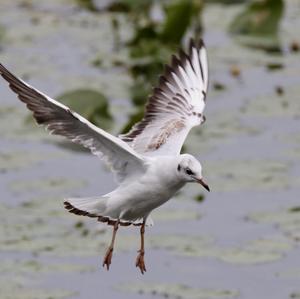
(96, 207)
(89, 206)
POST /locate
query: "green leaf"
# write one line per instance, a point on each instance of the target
(295, 209)
(258, 24)
(91, 104)
(179, 16)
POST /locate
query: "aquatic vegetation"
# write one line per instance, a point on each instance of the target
(286, 220)
(153, 42)
(17, 291)
(200, 197)
(258, 24)
(253, 252)
(91, 104)
(87, 4)
(35, 267)
(17, 160)
(46, 184)
(263, 174)
(180, 14)
(163, 215)
(177, 291)
(269, 106)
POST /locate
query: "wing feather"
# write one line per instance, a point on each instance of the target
(60, 120)
(176, 105)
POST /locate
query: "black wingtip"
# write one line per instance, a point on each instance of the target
(196, 43)
(2, 69)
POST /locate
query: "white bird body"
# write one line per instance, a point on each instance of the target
(135, 198)
(146, 161)
(148, 191)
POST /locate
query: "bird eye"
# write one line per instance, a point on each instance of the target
(189, 172)
(178, 167)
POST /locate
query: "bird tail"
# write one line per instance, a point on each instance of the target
(97, 207)
(88, 206)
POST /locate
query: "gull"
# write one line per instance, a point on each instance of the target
(146, 161)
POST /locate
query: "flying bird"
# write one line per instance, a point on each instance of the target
(146, 161)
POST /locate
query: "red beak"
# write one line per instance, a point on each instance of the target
(200, 181)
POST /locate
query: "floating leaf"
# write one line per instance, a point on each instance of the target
(178, 291)
(288, 221)
(17, 160)
(16, 291)
(46, 184)
(218, 86)
(294, 209)
(200, 197)
(274, 66)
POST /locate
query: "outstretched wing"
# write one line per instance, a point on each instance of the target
(60, 120)
(175, 107)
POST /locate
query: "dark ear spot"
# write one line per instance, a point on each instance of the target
(178, 167)
(189, 172)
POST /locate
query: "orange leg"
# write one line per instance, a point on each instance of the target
(140, 258)
(108, 255)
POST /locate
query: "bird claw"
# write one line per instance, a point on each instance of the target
(107, 258)
(140, 262)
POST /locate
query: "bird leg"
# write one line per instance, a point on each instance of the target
(140, 258)
(108, 255)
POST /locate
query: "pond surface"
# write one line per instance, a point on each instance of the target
(241, 241)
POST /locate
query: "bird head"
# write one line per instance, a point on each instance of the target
(190, 170)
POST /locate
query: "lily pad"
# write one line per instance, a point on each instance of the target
(269, 106)
(254, 252)
(33, 267)
(12, 290)
(288, 221)
(177, 291)
(46, 185)
(263, 174)
(91, 104)
(41, 229)
(17, 160)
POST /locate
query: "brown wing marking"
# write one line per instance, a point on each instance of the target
(171, 127)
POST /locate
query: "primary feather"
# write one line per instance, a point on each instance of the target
(175, 107)
(60, 120)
